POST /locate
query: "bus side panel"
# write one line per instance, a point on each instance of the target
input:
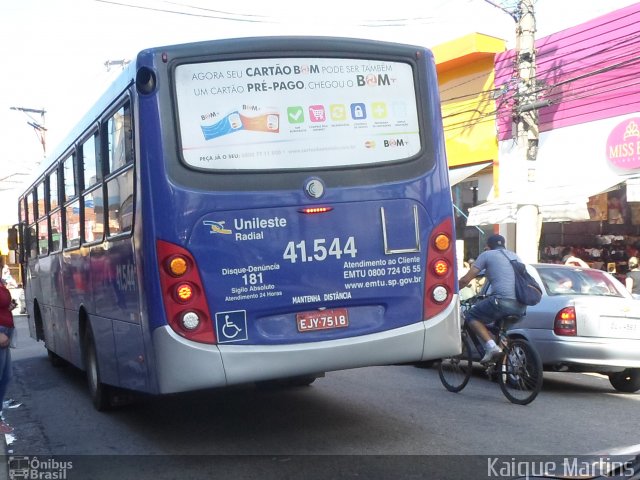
(121, 351)
(132, 371)
(75, 280)
(76, 291)
(58, 337)
(113, 280)
(446, 331)
(102, 329)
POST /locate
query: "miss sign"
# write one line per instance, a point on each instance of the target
(623, 145)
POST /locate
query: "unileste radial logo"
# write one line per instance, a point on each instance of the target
(623, 144)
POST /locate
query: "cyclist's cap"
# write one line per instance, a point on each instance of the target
(495, 241)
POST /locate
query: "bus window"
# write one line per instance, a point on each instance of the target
(90, 171)
(31, 240)
(21, 211)
(53, 190)
(69, 178)
(72, 218)
(31, 213)
(120, 139)
(324, 121)
(41, 209)
(120, 195)
(93, 215)
(56, 230)
(43, 237)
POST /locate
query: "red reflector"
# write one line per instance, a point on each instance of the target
(315, 210)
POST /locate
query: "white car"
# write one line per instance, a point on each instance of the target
(585, 322)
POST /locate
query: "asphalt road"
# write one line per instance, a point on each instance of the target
(363, 423)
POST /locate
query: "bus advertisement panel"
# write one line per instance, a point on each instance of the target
(289, 113)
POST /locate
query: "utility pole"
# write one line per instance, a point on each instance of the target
(39, 128)
(528, 222)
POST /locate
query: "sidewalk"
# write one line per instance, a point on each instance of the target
(4, 459)
(4, 453)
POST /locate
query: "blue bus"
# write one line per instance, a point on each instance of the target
(246, 210)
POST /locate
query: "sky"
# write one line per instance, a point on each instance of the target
(54, 51)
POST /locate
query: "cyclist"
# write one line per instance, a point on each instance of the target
(501, 296)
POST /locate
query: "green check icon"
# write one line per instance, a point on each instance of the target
(295, 114)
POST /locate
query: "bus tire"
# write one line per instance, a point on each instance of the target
(99, 392)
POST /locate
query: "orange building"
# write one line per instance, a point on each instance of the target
(468, 96)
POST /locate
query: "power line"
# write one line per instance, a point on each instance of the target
(176, 12)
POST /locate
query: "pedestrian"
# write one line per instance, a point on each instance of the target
(7, 277)
(7, 304)
(632, 281)
(569, 257)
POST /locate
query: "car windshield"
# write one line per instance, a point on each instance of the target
(563, 281)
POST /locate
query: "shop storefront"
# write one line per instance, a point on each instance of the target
(587, 191)
(611, 234)
(584, 178)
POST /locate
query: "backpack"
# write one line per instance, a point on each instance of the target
(528, 291)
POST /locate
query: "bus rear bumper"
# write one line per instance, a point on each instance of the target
(183, 365)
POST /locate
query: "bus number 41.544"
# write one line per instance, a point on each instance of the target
(319, 251)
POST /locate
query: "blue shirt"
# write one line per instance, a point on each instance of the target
(498, 271)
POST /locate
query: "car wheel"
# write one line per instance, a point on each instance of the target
(627, 381)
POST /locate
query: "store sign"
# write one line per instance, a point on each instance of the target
(623, 144)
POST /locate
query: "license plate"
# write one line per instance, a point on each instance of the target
(620, 328)
(322, 319)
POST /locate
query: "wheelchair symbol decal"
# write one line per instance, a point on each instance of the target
(231, 326)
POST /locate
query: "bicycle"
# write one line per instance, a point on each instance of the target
(518, 368)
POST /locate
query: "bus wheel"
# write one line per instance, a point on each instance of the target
(99, 392)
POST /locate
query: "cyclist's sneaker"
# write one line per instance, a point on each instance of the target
(491, 354)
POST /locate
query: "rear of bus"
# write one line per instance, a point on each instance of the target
(296, 196)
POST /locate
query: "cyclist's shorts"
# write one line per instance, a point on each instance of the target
(490, 309)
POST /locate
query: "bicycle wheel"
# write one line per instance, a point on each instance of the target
(455, 372)
(520, 372)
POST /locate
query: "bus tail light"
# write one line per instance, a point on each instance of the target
(565, 322)
(190, 321)
(177, 265)
(440, 274)
(183, 294)
(314, 210)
